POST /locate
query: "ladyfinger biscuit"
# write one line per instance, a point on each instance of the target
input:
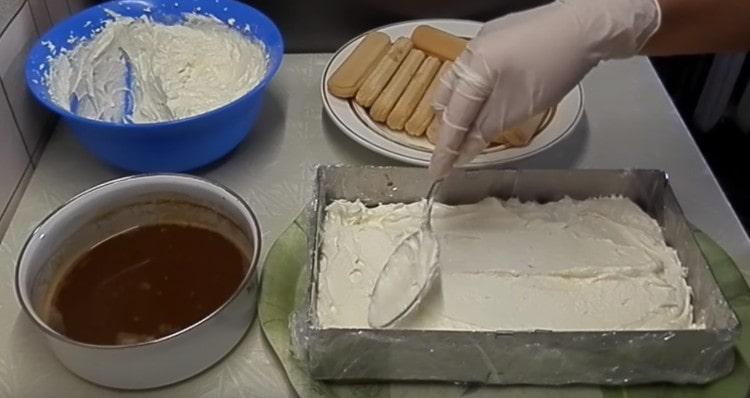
(413, 93)
(500, 140)
(522, 134)
(350, 75)
(381, 74)
(422, 115)
(391, 93)
(438, 43)
(433, 130)
(513, 136)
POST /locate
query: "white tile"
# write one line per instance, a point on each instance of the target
(31, 117)
(36, 154)
(17, 37)
(12, 154)
(78, 5)
(41, 15)
(10, 208)
(58, 10)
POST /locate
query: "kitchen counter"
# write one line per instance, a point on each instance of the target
(629, 123)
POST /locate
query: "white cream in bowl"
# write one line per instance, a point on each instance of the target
(136, 70)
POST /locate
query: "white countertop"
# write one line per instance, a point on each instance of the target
(630, 123)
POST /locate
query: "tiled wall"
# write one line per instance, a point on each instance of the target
(24, 125)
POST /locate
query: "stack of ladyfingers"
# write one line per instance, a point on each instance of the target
(395, 81)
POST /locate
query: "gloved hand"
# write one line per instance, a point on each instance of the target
(526, 62)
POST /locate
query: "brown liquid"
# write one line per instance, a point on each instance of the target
(146, 283)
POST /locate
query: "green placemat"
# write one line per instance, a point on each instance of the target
(280, 291)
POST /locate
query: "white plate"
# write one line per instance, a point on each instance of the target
(354, 121)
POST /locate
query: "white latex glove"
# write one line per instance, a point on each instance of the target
(525, 62)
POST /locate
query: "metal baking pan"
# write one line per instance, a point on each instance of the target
(524, 357)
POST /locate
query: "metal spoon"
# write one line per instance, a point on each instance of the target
(408, 273)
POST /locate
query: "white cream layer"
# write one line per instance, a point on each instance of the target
(177, 71)
(598, 264)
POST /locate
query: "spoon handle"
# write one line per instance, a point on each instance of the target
(427, 218)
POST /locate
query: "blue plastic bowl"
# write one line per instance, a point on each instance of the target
(179, 145)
